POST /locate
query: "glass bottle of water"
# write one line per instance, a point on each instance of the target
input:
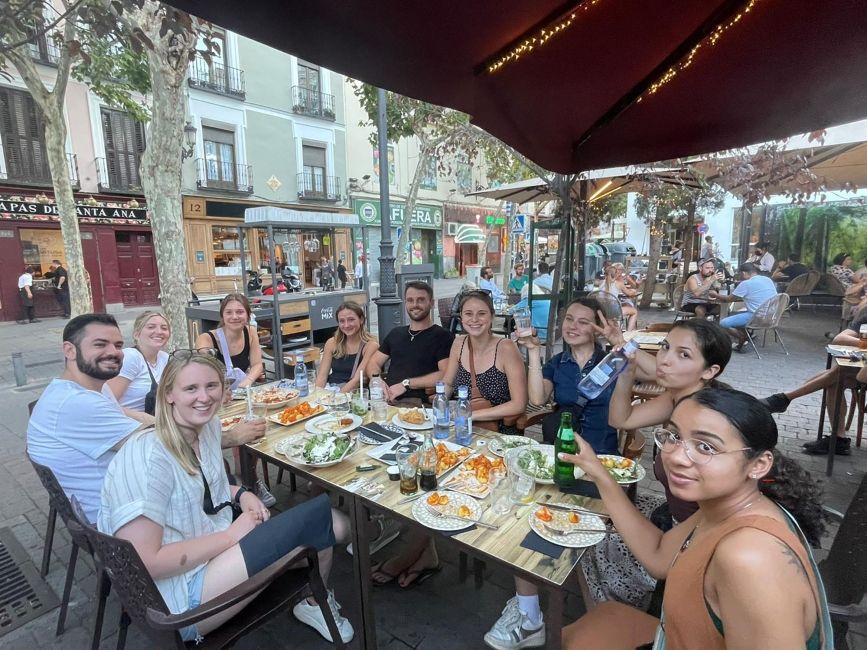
(606, 373)
(441, 413)
(301, 384)
(463, 418)
(564, 471)
(378, 404)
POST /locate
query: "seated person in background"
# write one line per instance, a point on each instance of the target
(519, 280)
(825, 380)
(861, 274)
(544, 279)
(167, 494)
(762, 258)
(346, 353)
(788, 271)
(754, 290)
(696, 291)
(616, 284)
(486, 283)
(417, 354)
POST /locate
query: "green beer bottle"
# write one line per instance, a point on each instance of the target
(564, 472)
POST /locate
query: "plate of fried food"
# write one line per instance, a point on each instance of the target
(415, 419)
(298, 413)
(623, 470)
(228, 423)
(446, 511)
(274, 397)
(449, 454)
(474, 476)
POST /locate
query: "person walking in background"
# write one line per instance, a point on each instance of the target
(359, 272)
(676, 253)
(341, 273)
(519, 280)
(61, 285)
(707, 249)
(25, 290)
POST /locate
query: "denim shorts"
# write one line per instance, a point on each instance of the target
(736, 320)
(194, 591)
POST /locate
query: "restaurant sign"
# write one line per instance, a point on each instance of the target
(104, 212)
(424, 216)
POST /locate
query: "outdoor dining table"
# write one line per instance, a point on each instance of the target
(501, 548)
(846, 367)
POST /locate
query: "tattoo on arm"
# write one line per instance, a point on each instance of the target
(793, 559)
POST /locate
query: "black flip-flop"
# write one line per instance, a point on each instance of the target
(421, 576)
(377, 568)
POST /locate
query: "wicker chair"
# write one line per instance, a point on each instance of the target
(677, 302)
(800, 287)
(767, 317)
(144, 605)
(60, 505)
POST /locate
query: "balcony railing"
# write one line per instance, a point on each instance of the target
(226, 176)
(318, 188)
(217, 78)
(119, 173)
(33, 170)
(306, 101)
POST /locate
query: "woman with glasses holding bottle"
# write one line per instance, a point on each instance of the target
(166, 492)
(739, 572)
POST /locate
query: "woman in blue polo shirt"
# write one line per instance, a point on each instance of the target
(560, 376)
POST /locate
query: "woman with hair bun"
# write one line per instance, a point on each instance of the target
(739, 572)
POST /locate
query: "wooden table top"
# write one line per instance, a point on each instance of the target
(503, 545)
(847, 362)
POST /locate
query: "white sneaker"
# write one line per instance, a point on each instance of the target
(311, 615)
(389, 530)
(509, 633)
(264, 496)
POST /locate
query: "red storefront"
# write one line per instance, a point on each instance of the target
(116, 241)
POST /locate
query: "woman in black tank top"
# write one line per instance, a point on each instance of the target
(241, 338)
(347, 351)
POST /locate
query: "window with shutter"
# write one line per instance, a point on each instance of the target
(23, 135)
(124, 145)
(219, 157)
(314, 171)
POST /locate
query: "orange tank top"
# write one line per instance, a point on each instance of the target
(688, 623)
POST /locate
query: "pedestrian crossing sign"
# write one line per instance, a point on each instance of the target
(519, 224)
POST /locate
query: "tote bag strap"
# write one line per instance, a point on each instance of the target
(224, 350)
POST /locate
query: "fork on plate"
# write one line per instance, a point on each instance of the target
(442, 515)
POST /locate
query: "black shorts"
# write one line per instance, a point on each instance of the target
(710, 307)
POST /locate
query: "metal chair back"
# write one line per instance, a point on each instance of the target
(58, 500)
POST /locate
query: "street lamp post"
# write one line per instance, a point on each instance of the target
(388, 305)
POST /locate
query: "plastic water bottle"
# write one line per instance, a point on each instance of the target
(606, 373)
(463, 418)
(301, 383)
(441, 413)
(378, 404)
(253, 319)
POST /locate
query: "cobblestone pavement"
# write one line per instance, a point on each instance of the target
(439, 613)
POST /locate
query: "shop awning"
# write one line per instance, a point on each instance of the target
(468, 233)
(299, 218)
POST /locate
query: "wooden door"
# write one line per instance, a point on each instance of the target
(136, 260)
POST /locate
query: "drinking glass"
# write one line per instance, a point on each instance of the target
(521, 481)
(501, 493)
(360, 402)
(523, 323)
(407, 463)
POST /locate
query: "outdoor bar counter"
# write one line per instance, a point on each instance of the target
(304, 318)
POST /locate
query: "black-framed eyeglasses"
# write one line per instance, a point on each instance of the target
(698, 451)
(185, 353)
(208, 503)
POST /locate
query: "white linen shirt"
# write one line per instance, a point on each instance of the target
(756, 291)
(145, 480)
(135, 368)
(25, 280)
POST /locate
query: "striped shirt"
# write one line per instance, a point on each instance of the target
(145, 480)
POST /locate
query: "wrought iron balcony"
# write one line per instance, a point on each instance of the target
(306, 101)
(318, 188)
(217, 78)
(119, 173)
(31, 168)
(226, 176)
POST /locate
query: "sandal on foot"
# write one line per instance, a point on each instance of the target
(420, 576)
(378, 568)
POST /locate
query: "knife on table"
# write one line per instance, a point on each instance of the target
(567, 508)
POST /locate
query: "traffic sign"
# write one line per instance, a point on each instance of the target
(519, 224)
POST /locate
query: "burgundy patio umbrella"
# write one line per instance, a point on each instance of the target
(605, 82)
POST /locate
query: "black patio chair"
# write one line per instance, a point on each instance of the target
(143, 605)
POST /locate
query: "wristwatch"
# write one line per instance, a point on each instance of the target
(405, 383)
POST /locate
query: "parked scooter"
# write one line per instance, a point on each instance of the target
(291, 279)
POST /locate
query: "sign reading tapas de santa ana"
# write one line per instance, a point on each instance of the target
(99, 213)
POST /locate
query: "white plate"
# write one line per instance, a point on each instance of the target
(228, 423)
(548, 450)
(292, 447)
(640, 472)
(427, 424)
(424, 516)
(288, 395)
(313, 425)
(464, 481)
(575, 539)
(275, 417)
(496, 445)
